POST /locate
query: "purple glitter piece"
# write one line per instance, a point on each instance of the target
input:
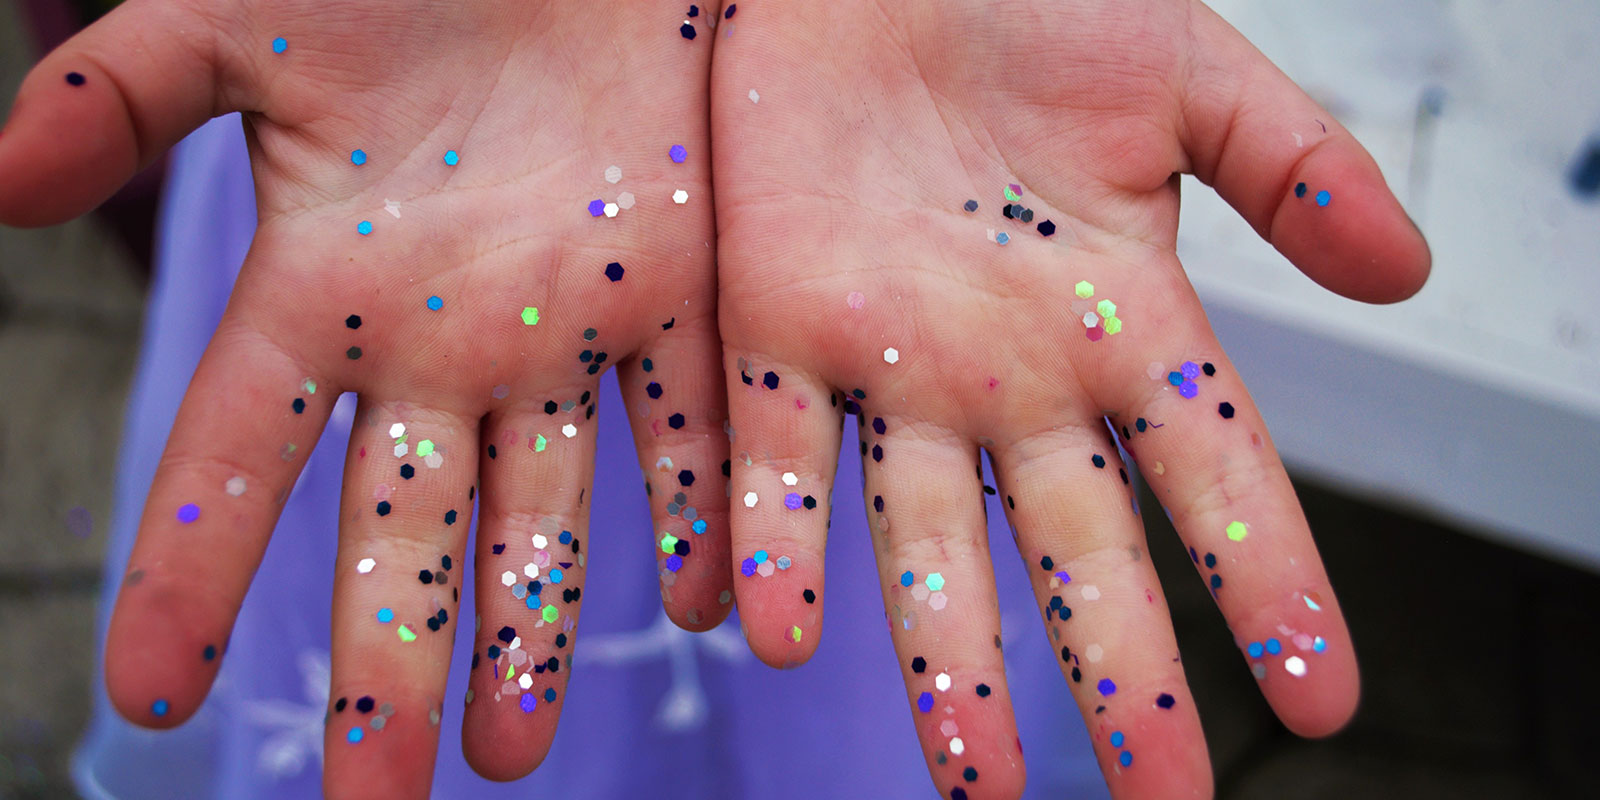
(188, 513)
(597, 207)
(1065, 578)
(679, 154)
(529, 703)
(1191, 370)
(791, 501)
(674, 562)
(1106, 687)
(748, 567)
(925, 702)
(1189, 389)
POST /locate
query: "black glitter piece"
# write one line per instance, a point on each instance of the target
(353, 353)
(958, 793)
(383, 508)
(1099, 461)
(554, 664)
(339, 706)
(688, 33)
(499, 549)
(681, 548)
(810, 596)
(745, 376)
(877, 503)
(407, 471)
(364, 705)
(858, 394)
(983, 690)
(1300, 190)
(299, 405)
(1007, 211)
(1209, 369)
(694, 11)
(1077, 674)
(989, 490)
(1165, 700)
(433, 623)
(475, 660)
(654, 390)
(727, 468)
(729, 13)
(614, 270)
(494, 650)
(1056, 602)
(770, 380)
(675, 421)
(1123, 474)
(970, 774)
(584, 398)
(588, 413)
(1027, 215)
(686, 477)
(445, 562)
(491, 452)
(594, 368)
(426, 576)
(877, 452)
(75, 78)
(1226, 410)
(352, 322)
(210, 653)
(507, 634)
(878, 426)
(586, 356)
(809, 502)
(971, 205)
(919, 664)
(1047, 228)
(450, 517)
(550, 407)
(1211, 561)
(561, 640)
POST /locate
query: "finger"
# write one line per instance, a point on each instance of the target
(1067, 495)
(405, 511)
(785, 444)
(677, 406)
(538, 471)
(105, 104)
(248, 420)
(1200, 442)
(1292, 171)
(925, 502)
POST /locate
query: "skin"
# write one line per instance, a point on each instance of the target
(842, 233)
(537, 99)
(848, 176)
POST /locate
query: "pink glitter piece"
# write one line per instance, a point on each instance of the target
(855, 299)
(1095, 333)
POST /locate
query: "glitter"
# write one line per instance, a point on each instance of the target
(925, 702)
(358, 157)
(687, 30)
(949, 727)
(610, 209)
(1116, 739)
(364, 227)
(791, 501)
(970, 205)
(732, 7)
(1259, 670)
(1254, 649)
(942, 682)
(794, 633)
(392, 207)
(1323, 198)
(355, 734)
(159, 708)
(235, 486)
(1125, 758)
(855, 300)
(365, 565)
(754, 97)
(1295, 666)
(1319, 644)
(1002, 238)
(1047, 228)
(934, 581)
(452, 158)
(1107, 309)
(279, 45)
(937, 601)
(500, 392)
(1113, 326)
(1091, 592)
(1237, 531)
(750, 499)
(530, 316)
(1094, 653)
(1165, 700)
(406, 635)
(597, 207)
(1106, 687)
(613, 173)
(550, 614)
(528, 702)
(386, 615)
(1190, 370)
(957, 747)
(569, 430)
(1084, 289)
(539, 443)
(188, 513)
(1226, 410)
(1091, 319)
(680, 197)
(678, 154)
(906, 578)
(790, 479)
(1188, 389)
(891, 355)
(434, 303)
(1155, 371)
(424, 447)
(401, 449)
(1274, 647)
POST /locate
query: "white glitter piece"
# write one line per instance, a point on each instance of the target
(235, 486)
(569, 430)
(613, 173)
(1091, 319)
(790, 479)
(942, 682)
(1155, 371)
(401, 449)
(392, 207)
(540, 541)
(949, 727)
(1259, 669)
(434, 460)
(766, 569)
(525, 681)
(1094, 653)
(754, 97)
(680, 197)
(516, 643)
(508, 577)
(500, 392)
(957, 747)
(530, 569)
(937, 601)
(625, 201)
(611, 209)
(1091, 592)
(1295, 666)
(397, 430)
(750, 499)
(365, 565)
(891, 355)
(664, 463)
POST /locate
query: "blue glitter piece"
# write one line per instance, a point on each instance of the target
(1002, 238)
(386, 615)
(925, 702)
(1174, 378)
(1319, 644)
(160, 708)
(906, 578)
(1323, 198)
(761, 556)
(747, 567)
(1107, 687)
(358, 157)
(529, 703)
(566, 537)
(434, 303)
(1254, 649)
(1126, 758)
(549, 695)
(355, 735)
(452, 158)
(532, 601)
(280, 44)
(699, 526)
(1274, 647)
(1116, 739)
(1300, 190)
(678, 153)
(597, 207)
(364, 227)
(556, 576)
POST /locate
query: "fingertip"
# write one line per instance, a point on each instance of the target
(781, 634)
(500, 748)
(157, 670)
(66, 147)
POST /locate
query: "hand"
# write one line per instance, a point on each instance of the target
(867, 265)
(424, 173)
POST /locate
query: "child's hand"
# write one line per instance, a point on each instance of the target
(424, 175)
(856, 275)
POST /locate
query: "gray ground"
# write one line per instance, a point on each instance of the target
(1477, 661)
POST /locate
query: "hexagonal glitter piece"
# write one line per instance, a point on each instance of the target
(935, 581)
(1237, 531)
(1107, 309)
(1113, 326)
(1084, 289)
(680, 197)
(530, 316)
(790, 479)
(1091, 319)
(937, 601)
(891, 355)
(942, 682)
(613, 173)
(750, 499)
(625, 201)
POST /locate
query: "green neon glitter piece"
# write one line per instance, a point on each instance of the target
(668, 541)
(1012, 196)
(310, 386)
(538, 443)
(1113, 325)
(795, 633)
(1107, 309)
(425, 448)
(530, 316)
(550, 613)
(1237, 531)
(406, 635)
(1084, 289)
(935, 581)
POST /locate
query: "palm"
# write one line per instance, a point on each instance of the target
(850, 267)
(473, 304)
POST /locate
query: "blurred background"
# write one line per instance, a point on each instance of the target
(1446, 449)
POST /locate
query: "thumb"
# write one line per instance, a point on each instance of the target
(105, 104)
(1300, 179)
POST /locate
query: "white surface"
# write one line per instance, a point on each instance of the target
(1479, 399)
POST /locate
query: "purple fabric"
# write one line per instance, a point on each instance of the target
(652, 711)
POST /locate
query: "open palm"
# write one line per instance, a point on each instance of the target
(439, 232)
(957, 222)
